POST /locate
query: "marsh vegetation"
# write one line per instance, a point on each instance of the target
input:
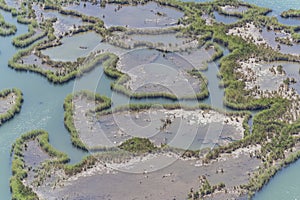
(250, 74)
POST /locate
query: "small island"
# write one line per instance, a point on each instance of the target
(10, 104)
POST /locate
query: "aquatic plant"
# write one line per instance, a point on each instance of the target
(28, 38)
(290, 13)
(6, 29)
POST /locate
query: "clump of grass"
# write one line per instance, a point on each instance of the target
(138, 145)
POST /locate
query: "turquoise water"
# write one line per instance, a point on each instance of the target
(42, 109)
(284, 186)
(277, 6)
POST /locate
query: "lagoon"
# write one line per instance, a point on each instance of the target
(73, 47)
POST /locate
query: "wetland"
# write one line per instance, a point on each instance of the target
(182, 100)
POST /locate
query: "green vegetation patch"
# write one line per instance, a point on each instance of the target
(138, 145)
(290, 13)
(16, 107)
(6, 29)
(28, 38)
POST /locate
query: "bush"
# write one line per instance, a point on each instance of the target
(138, 145)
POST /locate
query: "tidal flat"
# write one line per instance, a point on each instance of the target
(167, 174)
(151, 71)
(149, 15)
(192, 129)
(63, 23)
